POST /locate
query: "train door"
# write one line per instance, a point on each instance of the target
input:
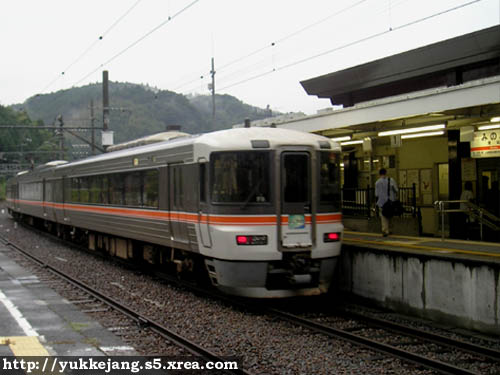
(16, 196)
(177, 206)
(296, 192)
(203, 214)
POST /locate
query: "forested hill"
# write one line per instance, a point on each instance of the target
(139, 110)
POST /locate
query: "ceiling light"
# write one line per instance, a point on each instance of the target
(358, 142)
(340, 139)
(495, 119)
(426, 134)
(411, 130)
(488, 127)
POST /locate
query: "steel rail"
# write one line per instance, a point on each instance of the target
(421, 334)
(154, 326)
(441, 367)
(420, 360)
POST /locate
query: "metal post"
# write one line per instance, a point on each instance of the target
(414, 199)
(481, 224)
(212, 72)
(441, 207)
(368, 201)
(61, 137)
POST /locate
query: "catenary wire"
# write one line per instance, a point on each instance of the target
(114, 57)
(273, 44)
(358, 41)
(91, 46)
(246, 69)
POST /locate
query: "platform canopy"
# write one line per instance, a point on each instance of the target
(448, 63)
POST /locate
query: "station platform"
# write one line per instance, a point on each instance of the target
(36, 321)
(463, 249)
(453, 282)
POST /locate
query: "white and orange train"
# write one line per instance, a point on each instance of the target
(257, 210)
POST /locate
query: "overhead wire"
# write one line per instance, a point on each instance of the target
(273, 44)
(91, 46)
(350, 44)
(114, 57)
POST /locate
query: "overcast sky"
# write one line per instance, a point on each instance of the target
(42, 39)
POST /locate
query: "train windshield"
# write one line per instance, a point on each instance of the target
(329, 186)
(241, 177)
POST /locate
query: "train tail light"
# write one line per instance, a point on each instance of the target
(331, 237)
(244, 240)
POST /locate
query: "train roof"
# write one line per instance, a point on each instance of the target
(230, 139)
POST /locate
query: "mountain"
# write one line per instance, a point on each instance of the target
(138, 110)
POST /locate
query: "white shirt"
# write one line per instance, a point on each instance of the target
(381, 190)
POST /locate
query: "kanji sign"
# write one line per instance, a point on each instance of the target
(486, 144)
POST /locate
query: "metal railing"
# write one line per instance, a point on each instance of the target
(361, 202)
(483, 217)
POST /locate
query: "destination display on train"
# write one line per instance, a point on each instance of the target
(486, 144)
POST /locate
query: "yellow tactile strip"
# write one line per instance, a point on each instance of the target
(24, 346)
(418, 244)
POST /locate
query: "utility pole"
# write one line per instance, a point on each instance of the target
(212, 87)
(105, 101)
(92, 125)
(107, 136)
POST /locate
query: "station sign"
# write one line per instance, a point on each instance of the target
(486, 144)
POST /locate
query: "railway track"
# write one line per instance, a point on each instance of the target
(376, 333)
(141, 320)
(434, 345)
(418, 347)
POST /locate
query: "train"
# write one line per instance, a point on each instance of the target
(253, 211)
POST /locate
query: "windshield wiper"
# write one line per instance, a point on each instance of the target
(252, 193)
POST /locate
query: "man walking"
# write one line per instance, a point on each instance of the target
(385, 189)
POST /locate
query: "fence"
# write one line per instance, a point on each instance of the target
(361, 202)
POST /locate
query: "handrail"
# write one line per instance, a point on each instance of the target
(482, 215)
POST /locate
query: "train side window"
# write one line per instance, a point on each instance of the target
(150, 190)
(67, 190)
(116, 191)
(104, 189)
(75, 190)
(48, 191)
(133, 185)
(84, 190)
(57, 191)
(95, 189)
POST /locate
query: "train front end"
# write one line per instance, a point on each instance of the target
(269, 221)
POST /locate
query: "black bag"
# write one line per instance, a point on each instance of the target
(392, 208)
(388, 209)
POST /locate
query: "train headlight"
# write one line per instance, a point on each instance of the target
(251, 240)
(331, 237)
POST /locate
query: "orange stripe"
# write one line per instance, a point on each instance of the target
(183, 216)
(328, 218)
(485, 148)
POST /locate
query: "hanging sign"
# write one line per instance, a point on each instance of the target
(486, 144)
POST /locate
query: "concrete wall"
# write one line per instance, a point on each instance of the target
(465, 293)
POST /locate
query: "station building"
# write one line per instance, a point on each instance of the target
(430, 116)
